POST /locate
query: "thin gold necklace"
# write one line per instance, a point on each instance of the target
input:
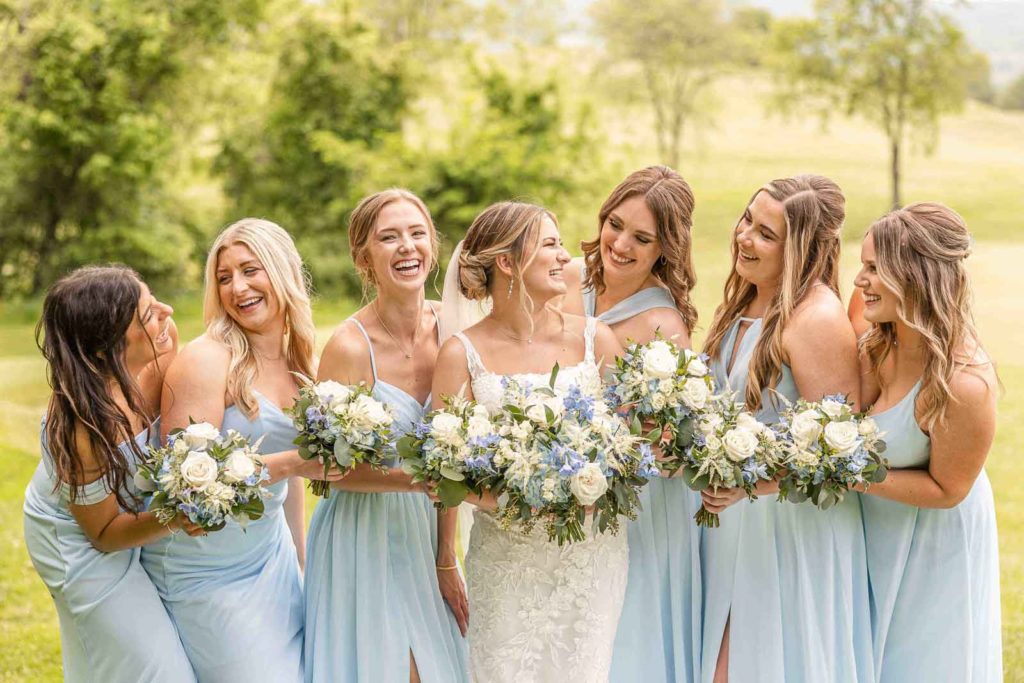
(408, 354)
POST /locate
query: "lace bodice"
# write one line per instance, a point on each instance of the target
(488, 389)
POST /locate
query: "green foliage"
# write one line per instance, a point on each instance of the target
(86, 133)
(978, 77)
(1013, 96)
(898, 63)
(679, 46)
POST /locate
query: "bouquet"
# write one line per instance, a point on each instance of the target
(668, 386)
(205, 475)
(830, 449)
(731, 449)
(341, 425)
(556, 456)
(453, 449)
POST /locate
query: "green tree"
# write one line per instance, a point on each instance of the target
(1013, 95)
(679, 46)
(900, 64)
(89, 92)
(334, 113)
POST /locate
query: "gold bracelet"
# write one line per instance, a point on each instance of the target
(454, 566)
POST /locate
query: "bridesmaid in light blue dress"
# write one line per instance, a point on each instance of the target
(236, 595)
(84, 532)
(374, 609)
(643, 248)
(933, 555)
(785, 586)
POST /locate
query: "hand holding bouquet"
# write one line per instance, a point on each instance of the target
(666, 385)
(341, 426)
(206, 476)
(451, 449)
(558, 456)
(829, 450)
(731, 449)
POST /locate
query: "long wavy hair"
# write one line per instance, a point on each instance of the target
(814, 209)
(86, 315)
(671, 200)
(511, 228)
(920, 255)
(290, 283)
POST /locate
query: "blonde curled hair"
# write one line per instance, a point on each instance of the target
(920, 253)
(289, 281)
(364, 219)
(511, 228)
(671, 201)
(814, 209)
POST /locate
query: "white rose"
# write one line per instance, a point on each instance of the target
(805, 428)
(867, 427)
(479, 427)
(695, 367)
(806, 458)
(368, 412)
(238, 466)
(521, 431)
(710, 423)
(695, 393)
(832, 408)
(842, 436)
(197, 436)
(535, 409)
(334, 394)
(750, 423)
(198, 470)
(713, 443)
(180, 447)
(588, 484)
(658, 402)
(480, 411)
(445, 427)
(739, 444)
(659, 360)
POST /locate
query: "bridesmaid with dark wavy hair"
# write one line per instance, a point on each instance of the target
(107, 341)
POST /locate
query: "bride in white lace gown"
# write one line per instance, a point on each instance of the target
(539, 612)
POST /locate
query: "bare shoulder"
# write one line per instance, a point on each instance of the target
(201, 359)
(573, 272)
(974, 387)
(667, 321)
(820, 316)
(452, 354)
(346, 356)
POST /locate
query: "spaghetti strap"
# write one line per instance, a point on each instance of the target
(588, 339)
(473, 360)
(373, 359)
(437, 322)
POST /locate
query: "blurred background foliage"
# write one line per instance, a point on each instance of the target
(132, 130)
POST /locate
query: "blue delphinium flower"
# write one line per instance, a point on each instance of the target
(575, 401)
(648, 468)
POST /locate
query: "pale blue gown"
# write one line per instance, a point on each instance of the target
(658, 638)
(113, 627)
(371, 584)
(792, 580)
(934, 573)
(236, 595)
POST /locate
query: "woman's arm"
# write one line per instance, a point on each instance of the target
(151, 379)
(606, 346)
(572, 300)
(821, 349)
(105, 525)
(451, 376)
(640, 328)
(295, 516)
(959, 447)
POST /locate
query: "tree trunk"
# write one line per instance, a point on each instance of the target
(895, 154)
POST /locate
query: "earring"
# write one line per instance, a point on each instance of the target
(510, 282)
(662, 260)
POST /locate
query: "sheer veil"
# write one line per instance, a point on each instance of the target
(458, 312)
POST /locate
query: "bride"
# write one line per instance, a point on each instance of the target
(540, 612)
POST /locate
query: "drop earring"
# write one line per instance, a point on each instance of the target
(510, 282)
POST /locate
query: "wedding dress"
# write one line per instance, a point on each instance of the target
(540, 613)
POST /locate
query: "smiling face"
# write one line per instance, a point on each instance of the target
(880, 303)
(399, 251)
(543, 277)
(629, 239)
(244, 288)
(148, 335)
(761, 239)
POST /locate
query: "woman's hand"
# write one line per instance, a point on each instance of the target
(182, 523)
(314, 469)
(454, 593)
(718, 500)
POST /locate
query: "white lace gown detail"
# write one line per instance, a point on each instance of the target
(540, 613)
